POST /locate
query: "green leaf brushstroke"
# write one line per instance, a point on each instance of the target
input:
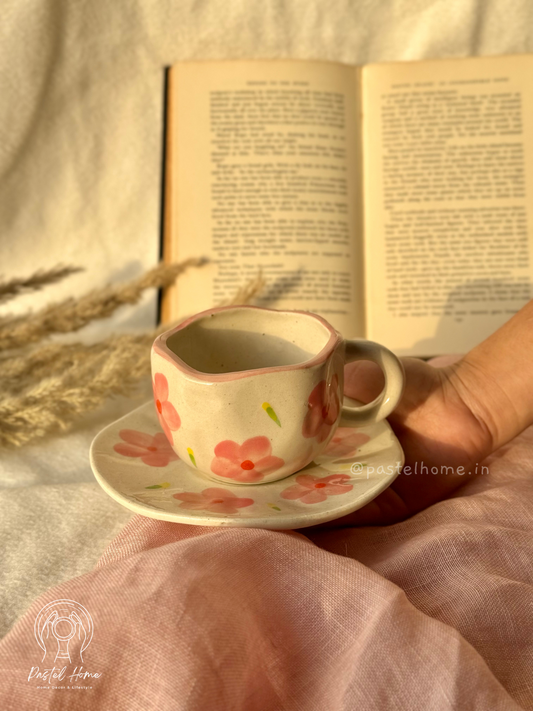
(274, 507)
(270, 412)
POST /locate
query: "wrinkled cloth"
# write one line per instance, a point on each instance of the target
(432, 613)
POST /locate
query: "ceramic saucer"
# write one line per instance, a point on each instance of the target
(134, 463)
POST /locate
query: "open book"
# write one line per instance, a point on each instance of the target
(394, 199)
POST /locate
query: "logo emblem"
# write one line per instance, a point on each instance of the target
(64, 629)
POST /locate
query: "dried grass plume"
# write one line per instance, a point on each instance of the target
(48, 387)
(72, 314)
(16, 287)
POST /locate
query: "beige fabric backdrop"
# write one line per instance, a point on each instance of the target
(80, 162)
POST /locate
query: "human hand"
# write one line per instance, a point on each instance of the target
(436, 426)
(451, 418)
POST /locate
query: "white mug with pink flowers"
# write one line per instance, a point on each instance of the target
(249, 395)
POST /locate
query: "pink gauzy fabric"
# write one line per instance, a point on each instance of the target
(433, 613)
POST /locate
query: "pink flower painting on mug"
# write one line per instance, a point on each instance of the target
(166, 412)
(323, 408)
(248, 462)
(345, 442)
(311, 489)
(214, 500)
(153, 450)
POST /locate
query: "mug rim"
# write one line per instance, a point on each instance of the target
(160, 347)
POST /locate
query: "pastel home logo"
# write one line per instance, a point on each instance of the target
(63, 630)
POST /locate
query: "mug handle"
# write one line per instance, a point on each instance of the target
(389, 397)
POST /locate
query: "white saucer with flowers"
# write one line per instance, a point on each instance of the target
(134, 463)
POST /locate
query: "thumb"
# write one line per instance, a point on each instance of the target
(363, 380)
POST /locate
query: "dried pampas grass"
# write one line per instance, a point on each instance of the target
(72, 314)
(16, 287)
(86, 378)
(247, 292)
(47, 388)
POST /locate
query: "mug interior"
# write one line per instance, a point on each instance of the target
(240, 339)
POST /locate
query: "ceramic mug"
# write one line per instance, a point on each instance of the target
(250, 395)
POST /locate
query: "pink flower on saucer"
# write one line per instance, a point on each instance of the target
(323, 410)
(345, 442)
(153, 450)
(314, 489)
(247, 462)
(214, 500)
(166, 412)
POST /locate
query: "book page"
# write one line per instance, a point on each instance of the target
(265, 174)
(448, 196)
